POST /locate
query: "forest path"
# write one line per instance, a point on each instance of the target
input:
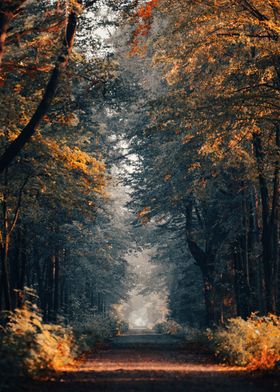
(150, 363)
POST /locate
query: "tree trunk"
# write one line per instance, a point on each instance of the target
(205, 261)
(5, 274)
(17, 145)
(5, 248)
(209, 298)
(275, 219)
(22, 271)
(56, 286)
(240, 284)
(266, 228)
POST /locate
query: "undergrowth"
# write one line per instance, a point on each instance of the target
(29, 347)
(169, 327)
(187, 333)
(96, 330)
(254, 343)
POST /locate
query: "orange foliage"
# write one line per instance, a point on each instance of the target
(143, 25)
(146, 10)
(91, 170)
(143, 215)
(143, 212)
(253, 343)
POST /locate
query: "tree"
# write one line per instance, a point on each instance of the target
(199, 157)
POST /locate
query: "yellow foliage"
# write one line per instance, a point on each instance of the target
(169, 327)
(76, 159)
(167, 177)
(254, 343)
(29, 347)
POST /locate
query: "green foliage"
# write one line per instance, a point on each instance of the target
(189, 334)
(198, 164)
(121, 327)
(169, 327)
(29, 347)
(95, 330)
(254, 342)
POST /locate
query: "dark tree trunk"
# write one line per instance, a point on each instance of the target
(5, 274)
(275, 219)
(209, 298)
(22, 270)
(205, 261)
(17, 145)
(51, 281)
(5, 249)
(242, 291)
(56, 286)
(266, 227)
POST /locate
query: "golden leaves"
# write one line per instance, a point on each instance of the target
(212, 146)
(91, 172)
(167, 177)
(187, 138)
(143, 20)
(194, 166)
(143, 215)
(144, 212)
(172, 75)
(253, 342)
(68, 119)
(75, 6)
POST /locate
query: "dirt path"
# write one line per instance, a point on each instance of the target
(149, 363)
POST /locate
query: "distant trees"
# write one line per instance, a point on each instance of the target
(209, 157)
(195, 112)
(61, 233)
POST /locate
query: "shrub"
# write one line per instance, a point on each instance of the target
(95, 330)
(195, 335)
(169, 327)
(29, 347)
(187, 333)
(254, 342)
(121, 327)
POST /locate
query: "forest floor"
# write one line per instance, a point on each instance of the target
(146, 362)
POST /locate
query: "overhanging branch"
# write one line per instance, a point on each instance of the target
(17, 145)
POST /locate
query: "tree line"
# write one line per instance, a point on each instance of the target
(207, 174)
(61, 231)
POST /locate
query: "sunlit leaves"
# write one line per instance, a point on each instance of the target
(142, 20)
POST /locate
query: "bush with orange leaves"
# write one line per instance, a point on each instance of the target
(254, 343)
(29, 347)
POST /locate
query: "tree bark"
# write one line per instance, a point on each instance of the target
(4, 254)
(275, 219)
(22, 272)
(205, 261)
(266, 227)
(56, 286)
